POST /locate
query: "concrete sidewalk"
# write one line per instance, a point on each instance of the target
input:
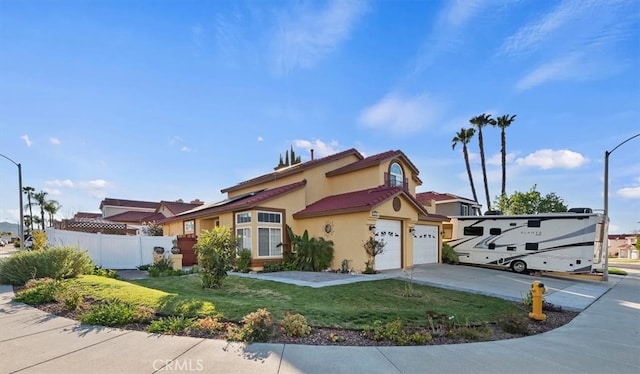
(603, 338)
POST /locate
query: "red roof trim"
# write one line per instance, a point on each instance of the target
(424, 197)
(376, 159)
(129, 203)
(298, 168)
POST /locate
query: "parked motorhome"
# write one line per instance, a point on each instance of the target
(566, 242)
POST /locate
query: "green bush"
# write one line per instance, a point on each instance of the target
(272, 266)
(39, 291)
(392, 331)
(310, 254)
(109, 273)
(449, 256)
(215, 250)
(114, 313)
(295, 325)
(171, 325)
(56, 263)
(243, 261)
(70, 298)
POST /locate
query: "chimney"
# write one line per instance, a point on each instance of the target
(311, 154)
(197, 201)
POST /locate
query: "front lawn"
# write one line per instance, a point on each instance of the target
(347, 306)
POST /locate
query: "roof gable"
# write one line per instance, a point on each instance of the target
(359, 201)
(294, 169)
(137, 217)
(425, 197)
(375, 160)
(177, 207)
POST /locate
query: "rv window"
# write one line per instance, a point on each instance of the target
(495, 231)
(474, 230)
(533, 223)
(513, 224)
(531, 246)
(511, 248)
(492, 245)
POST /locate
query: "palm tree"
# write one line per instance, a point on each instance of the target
(29, 192)
(463, 137)
(503, 122)
(479, 122)
(52, 207)
(41, 200)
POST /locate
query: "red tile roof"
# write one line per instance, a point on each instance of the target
(425, 197)
(129, 203)
(136, 217)
(376, 160)
(360, 201)
(298, 168)
(86, 215)
(246, 201)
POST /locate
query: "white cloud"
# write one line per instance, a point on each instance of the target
(26, 139)
(54, 140)
(553, 159)
(175, 139)
(320, 148)
(460, 12)
(185, 149)
(59, 183)
(629, 192)
(306, 35)
(496, 159)
(52, 191)
(96, 188)
(402, 115)
(260, 139)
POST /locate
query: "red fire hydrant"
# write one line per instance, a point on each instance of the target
(537, 290)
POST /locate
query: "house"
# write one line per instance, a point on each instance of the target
(623, 245)
(346, 198)
(448, 204)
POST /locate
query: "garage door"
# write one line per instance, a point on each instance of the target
(391, 232)
(425, 245)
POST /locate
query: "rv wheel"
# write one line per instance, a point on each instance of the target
(519, 267)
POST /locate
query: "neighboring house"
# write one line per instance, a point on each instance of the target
(345, 198)
(623, 246)
(447, 204)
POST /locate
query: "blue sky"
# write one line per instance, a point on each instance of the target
(178, 99)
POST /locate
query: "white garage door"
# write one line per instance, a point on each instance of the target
(425, 245)
(391, 233)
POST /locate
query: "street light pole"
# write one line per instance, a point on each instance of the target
(605, 241)
(21, 224)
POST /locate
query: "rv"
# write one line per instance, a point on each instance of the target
(565, 242)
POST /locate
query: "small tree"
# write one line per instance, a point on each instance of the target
(530, 202)
(216, 251)
(153, 229)
(373, 248)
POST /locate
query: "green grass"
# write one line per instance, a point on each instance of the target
(348, 306)
(616, 271)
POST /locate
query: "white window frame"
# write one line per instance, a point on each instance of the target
(274, 250)
(239, 214)
(243, 235)
(270, 223)
(465, 210)
(395, 179)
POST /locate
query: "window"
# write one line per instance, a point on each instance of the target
(267, 217)
(396, 176)
(495, 231)
(465, 210)
(244, 238)
(244, 217)
(268, 240)
(533, 223)
(531, 246)
(473, 230)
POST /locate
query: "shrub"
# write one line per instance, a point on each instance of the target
(112, 313)
(109, 273)
(392, 331)
(514, 324)
(473, 333)
(70, 298)
(272, 266)
(56, 263)
(171, 325)
(373, 248)
(311, 254)
(215, 250)
(144, 267)
(295, 325)
(256, 327)
(243, 261)
(39, 240)
(209, 324)
(449, 256)
(39, 291)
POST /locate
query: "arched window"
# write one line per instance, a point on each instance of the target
(396, 176)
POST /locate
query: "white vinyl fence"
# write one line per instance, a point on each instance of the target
(112, 251)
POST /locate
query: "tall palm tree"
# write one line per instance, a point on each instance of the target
(52, 207)
(463, 137)
(479, 122)
(503, 122)
(29, 192)
(41, 200)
